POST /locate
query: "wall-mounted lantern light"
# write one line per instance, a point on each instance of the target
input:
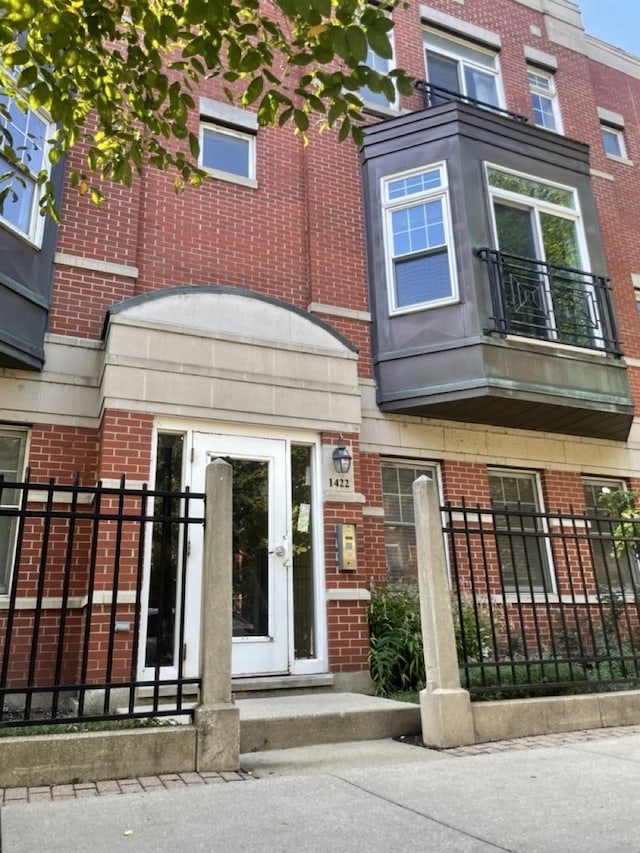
(341, 457)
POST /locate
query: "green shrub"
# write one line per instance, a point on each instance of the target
(396, 661)
(471, 624)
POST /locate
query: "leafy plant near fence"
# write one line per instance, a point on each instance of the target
(396, 660)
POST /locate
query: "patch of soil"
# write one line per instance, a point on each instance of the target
(415, 740)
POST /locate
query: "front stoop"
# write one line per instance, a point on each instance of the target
(290, 721)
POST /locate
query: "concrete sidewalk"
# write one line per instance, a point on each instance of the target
(565, 793)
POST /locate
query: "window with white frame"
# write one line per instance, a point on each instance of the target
(523, 549)
(373, 99)
(12, 457)
(538, 224)
(613, 141)
(399, 519)
(378, 100)
(420, 257)
(28, 131)
(612, 570)
(227, 152)
(458, 68)
(544, 99)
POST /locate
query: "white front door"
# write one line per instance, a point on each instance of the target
(261, 551)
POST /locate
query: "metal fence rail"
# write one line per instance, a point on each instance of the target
(433, 96)
(70, 633)
(544, 603)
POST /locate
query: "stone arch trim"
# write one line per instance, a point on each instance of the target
(227, 354)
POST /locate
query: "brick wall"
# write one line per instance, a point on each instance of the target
(299, 237)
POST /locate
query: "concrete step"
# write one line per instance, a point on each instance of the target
(282, 722)
(283, 685)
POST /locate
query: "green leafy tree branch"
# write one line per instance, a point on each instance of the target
(118, 77)
(620, 505)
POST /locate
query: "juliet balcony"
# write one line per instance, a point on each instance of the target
(547, 302)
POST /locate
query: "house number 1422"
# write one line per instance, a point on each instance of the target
(339, 482)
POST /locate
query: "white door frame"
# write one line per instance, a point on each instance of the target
(317, 664)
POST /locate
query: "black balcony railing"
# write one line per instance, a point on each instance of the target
(433, 96)
(534, 299)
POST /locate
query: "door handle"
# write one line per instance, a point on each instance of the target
(279, 551)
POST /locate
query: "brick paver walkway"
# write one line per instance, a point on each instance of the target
(81, 790)
(13, 796)
(537, 741)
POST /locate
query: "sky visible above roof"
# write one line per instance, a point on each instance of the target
(613, 21)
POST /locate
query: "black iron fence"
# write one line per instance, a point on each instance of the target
(76, 608)
(535, 299)
(544, 603)
(433, 96)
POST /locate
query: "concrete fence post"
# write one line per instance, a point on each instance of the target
(216, 718)
(445, 708)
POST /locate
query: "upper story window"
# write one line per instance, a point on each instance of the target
(613, 141)
(399, 518)
(612, 131)
(542, 247)
(28, 132)
(458, 68)
(13, 444)
(523, 553)
(420, 263)
(544, 100)
(373, 99)
(227, 152)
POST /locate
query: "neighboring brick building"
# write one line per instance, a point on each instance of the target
(306, 293)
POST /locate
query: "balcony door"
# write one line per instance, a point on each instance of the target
(539, 233)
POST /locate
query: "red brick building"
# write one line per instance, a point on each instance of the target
(439, 299)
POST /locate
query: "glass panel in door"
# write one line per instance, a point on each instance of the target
(572, 297)
(161, 641)
(443, 75)
(250, 547)
(524, 288)
(261, 558)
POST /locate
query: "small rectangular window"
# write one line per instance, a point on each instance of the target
(613, 141)
(12, 458)
(523, 552)
(544, 101)
(418, 239)
(399, 519)
(227, 152)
